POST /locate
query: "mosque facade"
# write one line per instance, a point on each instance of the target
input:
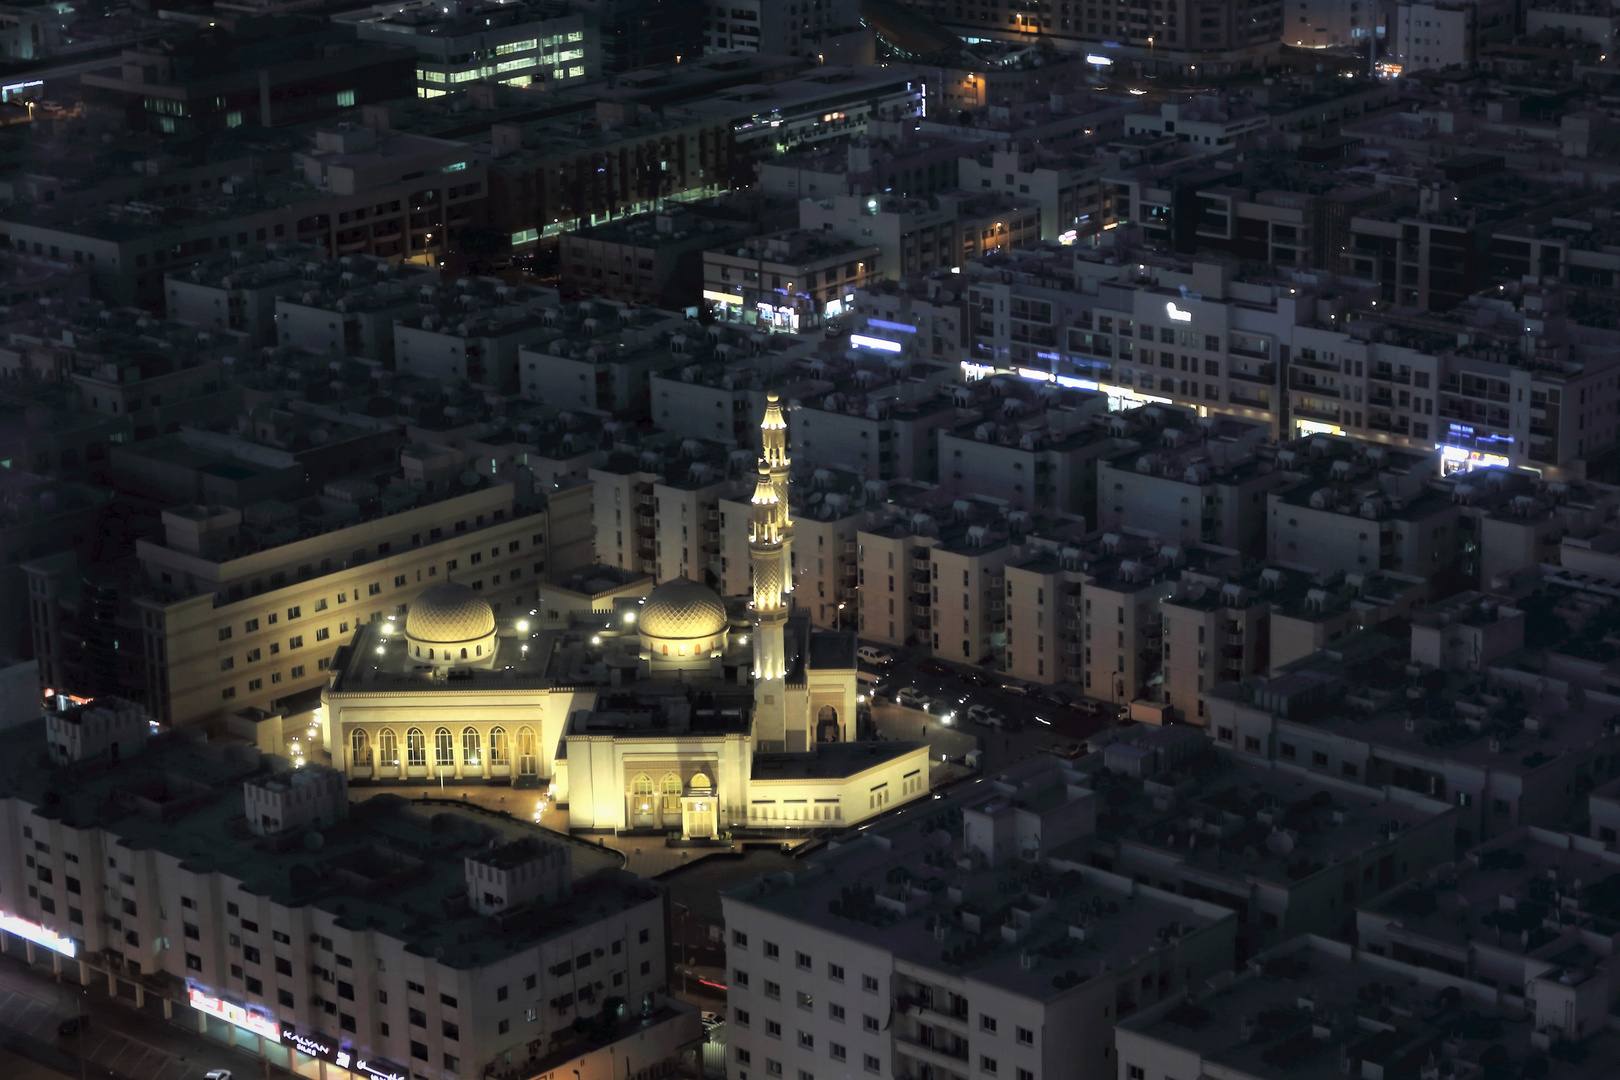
(672, 712)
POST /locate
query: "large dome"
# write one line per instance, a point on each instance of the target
(681, 610)
(449, 613)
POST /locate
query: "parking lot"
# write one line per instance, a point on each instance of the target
(1038, 721)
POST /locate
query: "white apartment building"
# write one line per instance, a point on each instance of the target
(1141, 328)
(236, 610)
(665, 524)
(1069, 194)
(854, 967)
(1506, 380)
(1434, 36)
(1198, 483)
(468, 41)
(385, 955)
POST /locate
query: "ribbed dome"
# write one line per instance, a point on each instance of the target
(449, 613)
(682, 609)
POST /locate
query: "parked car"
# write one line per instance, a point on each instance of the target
(944, 711)
(72, 1027)
(218, 1074)
(976, 678)
(1015, 689)
(933, 667)
(911, 698)
(871, 654)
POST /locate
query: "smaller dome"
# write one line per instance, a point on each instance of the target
(449, 613)
(682, 609)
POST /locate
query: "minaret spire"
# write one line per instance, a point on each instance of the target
(769, 540)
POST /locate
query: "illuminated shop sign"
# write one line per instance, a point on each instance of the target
(721, 297)
(1099, 61)
(232, 1013)
(314, 1044)
(861, 341)
(1316, 427)
(1456, 458)
(380, 1069)
(38, 934)
(885, 324)
(1176, 314)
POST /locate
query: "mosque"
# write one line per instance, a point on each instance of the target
(664, 712)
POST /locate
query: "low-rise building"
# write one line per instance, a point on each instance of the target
(236, 607)
(788, 282)
(471, 42)
(920, 919)
(1274, 1018)
(317, 965)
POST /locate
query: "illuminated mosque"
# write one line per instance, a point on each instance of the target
(664, 712)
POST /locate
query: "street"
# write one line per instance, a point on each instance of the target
(122, 1043)
(1045, 723)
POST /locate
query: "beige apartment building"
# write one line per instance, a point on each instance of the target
(1215, 632)
(241, 608)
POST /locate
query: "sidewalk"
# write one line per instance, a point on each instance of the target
(122, 1044)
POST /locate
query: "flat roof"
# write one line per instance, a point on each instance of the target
(387, 866)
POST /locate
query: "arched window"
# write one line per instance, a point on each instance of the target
(359, 747)
(672, 793)
(641, 790)
(479, 650)
(700, 782)
(525, 742)
(497, 746)
(444, 750)
(415, 747)
(430, 655)
(666, 650)
(464, 654)
(387, 747)
(419, 650)
(469, 746)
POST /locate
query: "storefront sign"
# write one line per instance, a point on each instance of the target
(38, 934)
(380, 1069)
(232, 1013)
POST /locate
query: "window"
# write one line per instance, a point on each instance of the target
(869, 1023)
(773, 990)
(740, 1016)
(806, 1001)
(987, 1063)
(739, 939)
(1135, 1072)
(836, 1011)
(739, 977)
(772, 951)
(871, 1063)
(773, 1029)
(869, 984)
(452, 1031)
(1026, 1037)
(837, 1051)
(987, 1023)
(835, 972)
(802, 960)
(807, 1040)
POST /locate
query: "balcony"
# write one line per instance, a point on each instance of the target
(1238, 397)
(1330, 415)
(1317, 363)
(1265, 374)
(1312, 388)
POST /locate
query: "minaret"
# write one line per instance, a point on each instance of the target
(773, 434)
(768, 544)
